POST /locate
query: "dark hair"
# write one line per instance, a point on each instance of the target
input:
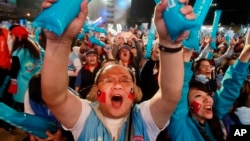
(30, 45)
(42, 40)
(216, 128)
(214, 123)
(243, 97)
(128, 47)
(224, 64)
(237, 48)
(199, 85)
(35, 91)
(197, 63)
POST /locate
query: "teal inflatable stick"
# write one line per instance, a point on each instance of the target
(210, 55)
(217, 15)
(192, 42)
(27, 122)
(37, 34)
(93, 40)
(57, 17)
(175, 21)
(201, 8)
(93, 27)
(80, 36)
(87, 28)
(151, 37)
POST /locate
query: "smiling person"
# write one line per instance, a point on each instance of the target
(114, 116)
(198, 114)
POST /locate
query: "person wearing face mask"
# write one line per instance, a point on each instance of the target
(197, 115)
(114, 116)
(240, 112)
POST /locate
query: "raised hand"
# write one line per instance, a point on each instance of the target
(74, 27)
(164, 37)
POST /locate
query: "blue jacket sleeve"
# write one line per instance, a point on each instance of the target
(232, 82)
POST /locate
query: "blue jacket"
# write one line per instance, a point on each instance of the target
(182, 126)
(29, 67)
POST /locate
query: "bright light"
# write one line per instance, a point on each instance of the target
(213, 4)
(28, 14)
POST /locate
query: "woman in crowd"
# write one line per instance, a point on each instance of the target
(197, 115)
(27, 58)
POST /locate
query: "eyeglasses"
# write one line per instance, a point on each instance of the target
(124, 81)
(206, 66)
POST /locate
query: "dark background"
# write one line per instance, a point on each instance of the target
(234, 12)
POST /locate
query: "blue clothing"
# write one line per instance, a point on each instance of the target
(228, 120)
(29, 66)
(183, 127)
(42, 111)
(95, 128)
(72, 57)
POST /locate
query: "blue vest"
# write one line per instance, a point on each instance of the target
(95, 130)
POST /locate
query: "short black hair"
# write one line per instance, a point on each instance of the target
(35, 91)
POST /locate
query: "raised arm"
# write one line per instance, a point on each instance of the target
(232, 82)
(171, 68)
(54, 74)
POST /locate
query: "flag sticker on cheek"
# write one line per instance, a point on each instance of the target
(131, 95)
(101, 96)
(195, 106)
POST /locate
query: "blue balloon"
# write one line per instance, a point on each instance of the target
(93, 27)
(151, 37)
(176, 22)
(37, 34)
(227, 39)
(210, 55)
(192, 42)
(217, 15)
(201, 8)
(29, 123)
(57, 17)
(80, 36)
(98, 29)
(93, 40)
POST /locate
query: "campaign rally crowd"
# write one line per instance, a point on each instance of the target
(145, 83)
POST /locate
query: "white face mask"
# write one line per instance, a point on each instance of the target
(243, 114)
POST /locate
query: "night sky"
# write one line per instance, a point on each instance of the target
(233, 11)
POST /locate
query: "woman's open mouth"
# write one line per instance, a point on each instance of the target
(116, 101)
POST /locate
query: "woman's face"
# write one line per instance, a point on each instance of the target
(124, 55)
(200, 105)
(205, 68)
